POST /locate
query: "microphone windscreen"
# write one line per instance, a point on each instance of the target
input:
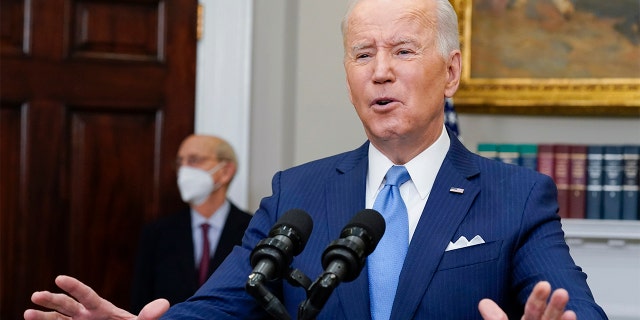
(372, 222)
(300, 221)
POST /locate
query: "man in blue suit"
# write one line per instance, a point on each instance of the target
(485, 238)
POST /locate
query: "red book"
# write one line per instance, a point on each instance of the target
(545, 159)
(578, 181)
(561, 175)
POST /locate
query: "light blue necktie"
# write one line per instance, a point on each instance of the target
(385, 263)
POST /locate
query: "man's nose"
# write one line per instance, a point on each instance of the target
(383, 68)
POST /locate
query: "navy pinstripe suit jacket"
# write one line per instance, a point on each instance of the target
(512, 208)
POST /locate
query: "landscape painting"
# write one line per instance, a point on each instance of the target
(555, 56)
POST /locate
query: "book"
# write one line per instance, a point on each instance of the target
(577, 181)
(528, 156)
(561, 173)
(595, 181)
(508, 153)
(631, 164)
(545, 159)
(613, 174)
(488, 150)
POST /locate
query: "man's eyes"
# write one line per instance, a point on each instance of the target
(399, 52)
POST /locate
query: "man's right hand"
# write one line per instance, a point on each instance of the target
(87, 305)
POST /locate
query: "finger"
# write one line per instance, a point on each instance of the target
(154, 309)
(489, 310)
(557, 303)
(537, 301)
(83, 293)
(569, 315)
(59, 302)
(31, 314)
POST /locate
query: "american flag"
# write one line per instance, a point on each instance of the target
(451, 117)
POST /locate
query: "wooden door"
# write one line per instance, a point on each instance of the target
(95, 97)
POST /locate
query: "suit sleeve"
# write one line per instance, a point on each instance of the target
(542, 254)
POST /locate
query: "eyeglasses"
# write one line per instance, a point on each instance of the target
(192, 161)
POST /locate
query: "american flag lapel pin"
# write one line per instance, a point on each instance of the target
(456, 190)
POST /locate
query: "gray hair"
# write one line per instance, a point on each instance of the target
(224, 152)
(447, 36)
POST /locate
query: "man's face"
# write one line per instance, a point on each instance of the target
(197, 152)
(397, 78)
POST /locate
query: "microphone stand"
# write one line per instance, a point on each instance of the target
(321, 289)
(269, 302)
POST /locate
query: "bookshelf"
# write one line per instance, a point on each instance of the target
(598, 201)
(598, 230)
(608, 251)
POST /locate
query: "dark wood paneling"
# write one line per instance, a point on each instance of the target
(118, 30)
(13, 15)
(46, 192)
(83, 82)
(11, 200)
(96, 98)
(112, 168)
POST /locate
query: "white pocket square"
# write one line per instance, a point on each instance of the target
(463, 242)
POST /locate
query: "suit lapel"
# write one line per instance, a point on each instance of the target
(230, 236)
(440, 219)
(345, 198)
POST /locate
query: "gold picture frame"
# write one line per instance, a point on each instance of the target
(570, 96)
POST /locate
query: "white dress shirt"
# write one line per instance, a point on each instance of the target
(216, 221)
(423, 169)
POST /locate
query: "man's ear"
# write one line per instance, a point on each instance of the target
(454, 71)
(228, 171)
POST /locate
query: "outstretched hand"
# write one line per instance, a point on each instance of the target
(82, 303)
(536, 307)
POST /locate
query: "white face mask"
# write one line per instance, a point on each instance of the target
(196, 184)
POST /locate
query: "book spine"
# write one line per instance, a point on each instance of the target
(631, 162)
(545, 159)
(595, 181)
(488, 150)
(578, 181)
(508, 153)
(561, 171)
(528, 156)
(613, 172)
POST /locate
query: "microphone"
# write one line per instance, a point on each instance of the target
(272, 256)
(343, 259)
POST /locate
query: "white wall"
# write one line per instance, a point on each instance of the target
(326, 122)
(273, 94)
(519, 129)
(223, 82)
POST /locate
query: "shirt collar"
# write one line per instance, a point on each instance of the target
(423, 168)
(216, 221)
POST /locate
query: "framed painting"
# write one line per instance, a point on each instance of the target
(549, 57)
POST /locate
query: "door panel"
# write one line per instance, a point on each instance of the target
(95, 98)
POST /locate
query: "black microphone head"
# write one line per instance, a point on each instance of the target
(295, 224)
(357, 240)
(372, 222)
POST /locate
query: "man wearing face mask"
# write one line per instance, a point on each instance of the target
(170, 263)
